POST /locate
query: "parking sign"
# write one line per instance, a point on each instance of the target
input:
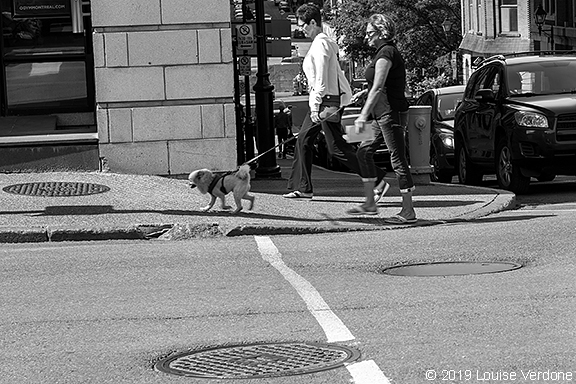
(244, 66)
(245, 36)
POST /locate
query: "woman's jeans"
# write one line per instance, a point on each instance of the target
(338, 148)
(389, 128)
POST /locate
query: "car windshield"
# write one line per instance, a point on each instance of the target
(447, 105)
(542, 77)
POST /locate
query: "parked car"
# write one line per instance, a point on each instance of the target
(298, 34)
(322, 158)
(518, 120)
(443, 102)
(292, 59)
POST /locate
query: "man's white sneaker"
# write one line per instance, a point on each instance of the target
(297, 195)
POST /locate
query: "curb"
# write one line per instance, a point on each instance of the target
(501, 201)
(179, 231)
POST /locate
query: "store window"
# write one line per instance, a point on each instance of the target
(508, 16)
(46, 62)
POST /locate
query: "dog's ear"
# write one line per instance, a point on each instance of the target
(205, 175)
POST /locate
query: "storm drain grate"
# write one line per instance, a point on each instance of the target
(258, 360)
(453, 268)
(56, 189)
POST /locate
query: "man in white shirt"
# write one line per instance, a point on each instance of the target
(327, 85)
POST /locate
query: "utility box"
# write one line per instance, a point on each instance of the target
(419, 122)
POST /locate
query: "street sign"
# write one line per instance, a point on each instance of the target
(245, 36)
(277, 39)
(273, 28)
(274, 48)
(244, 66)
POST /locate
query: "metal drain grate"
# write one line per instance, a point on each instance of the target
(56, 189)
(258, 360)
(453, 268)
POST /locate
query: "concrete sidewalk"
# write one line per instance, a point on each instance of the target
(149, 207)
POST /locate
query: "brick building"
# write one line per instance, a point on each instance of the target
(491, 27)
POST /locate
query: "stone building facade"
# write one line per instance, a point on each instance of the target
(164, 85)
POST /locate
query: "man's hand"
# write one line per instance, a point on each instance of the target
(315, 117)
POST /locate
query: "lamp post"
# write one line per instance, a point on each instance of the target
(267, 167)
(447, 27)
(540, 18)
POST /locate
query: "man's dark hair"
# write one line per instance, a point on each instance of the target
(308, 12)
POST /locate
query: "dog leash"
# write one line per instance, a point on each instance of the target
(293, 137)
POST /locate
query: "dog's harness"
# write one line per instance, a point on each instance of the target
(219, 177)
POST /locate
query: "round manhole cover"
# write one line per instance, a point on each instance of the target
(56, 189)
(451, 268)
(258, 360)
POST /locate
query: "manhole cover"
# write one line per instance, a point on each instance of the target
(55, 189)
(451, 268)
(258, 360)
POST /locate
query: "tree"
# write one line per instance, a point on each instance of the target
(420, 36)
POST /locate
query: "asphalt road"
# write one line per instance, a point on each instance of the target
(105, 312)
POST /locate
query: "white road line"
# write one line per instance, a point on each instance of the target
(333, 327)
(558, 210)
(364, 372)
(367, 372)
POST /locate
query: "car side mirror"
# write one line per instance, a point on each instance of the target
(484, 95)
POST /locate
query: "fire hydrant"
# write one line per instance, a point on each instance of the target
(419, 122)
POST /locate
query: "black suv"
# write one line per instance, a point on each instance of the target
(518, 120)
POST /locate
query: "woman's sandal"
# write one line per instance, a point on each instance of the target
(379, 193)
(397, 219)
(360, 210)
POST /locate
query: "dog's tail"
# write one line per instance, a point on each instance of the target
(243, 172)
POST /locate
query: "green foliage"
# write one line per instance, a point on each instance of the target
(420, 36)
(418, 85)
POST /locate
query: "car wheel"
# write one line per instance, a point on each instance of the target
(467, 173)
(438, 174)
(509, 177)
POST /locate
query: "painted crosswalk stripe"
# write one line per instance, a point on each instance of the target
(364, 372)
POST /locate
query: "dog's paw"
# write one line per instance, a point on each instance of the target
(236, 211)
(227, 207)
(205, 209)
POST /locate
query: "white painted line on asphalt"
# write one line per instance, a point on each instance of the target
(364, 372)
(540, 210)
(332, 325)
(367, 372)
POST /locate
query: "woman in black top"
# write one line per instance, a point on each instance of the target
(386, 76)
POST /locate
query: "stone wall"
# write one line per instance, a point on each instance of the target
(164, 85)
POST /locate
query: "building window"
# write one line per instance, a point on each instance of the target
(508, 16)
(479, 16)
(471, 16)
